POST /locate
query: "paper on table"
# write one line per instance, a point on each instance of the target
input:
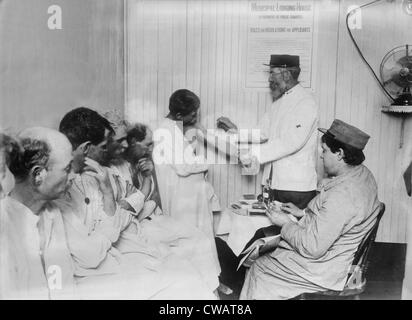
(243, 228)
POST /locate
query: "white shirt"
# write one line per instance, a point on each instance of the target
(121, 180)
(90, 231)
(22, 273)
(290, 125)
(35, 261)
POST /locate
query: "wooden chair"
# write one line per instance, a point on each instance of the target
(356, 280)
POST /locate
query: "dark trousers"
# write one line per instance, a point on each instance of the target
(300, 199)
(229, 261)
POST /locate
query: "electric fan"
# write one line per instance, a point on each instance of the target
(396, 76)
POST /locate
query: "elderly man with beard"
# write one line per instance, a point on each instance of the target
(158, 230)
(35, 260)
(140, 168)
(289, 155)
(139, 155)
(96, 221)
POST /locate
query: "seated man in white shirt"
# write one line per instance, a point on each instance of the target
(96, 219)
(157, 229)
(139, 155)
(130, 163)
(35, 260)
(8, 147)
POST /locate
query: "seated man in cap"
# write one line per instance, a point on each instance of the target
(315, 253)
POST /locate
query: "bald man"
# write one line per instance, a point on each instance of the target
(36, 262)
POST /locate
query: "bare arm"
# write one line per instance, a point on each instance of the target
(248, 136)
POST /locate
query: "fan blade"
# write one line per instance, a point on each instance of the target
(405, 62)
(399, 80)
(391, 69)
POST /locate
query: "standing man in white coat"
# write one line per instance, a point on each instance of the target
(289, 156)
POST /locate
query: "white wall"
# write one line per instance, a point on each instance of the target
(200, 44)
(45, 73)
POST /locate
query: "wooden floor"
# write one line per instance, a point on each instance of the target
(386, 272)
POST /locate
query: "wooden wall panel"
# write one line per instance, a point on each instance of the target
(359, 100)
(201, 45)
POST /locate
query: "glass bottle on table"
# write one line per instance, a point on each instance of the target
(266, 192)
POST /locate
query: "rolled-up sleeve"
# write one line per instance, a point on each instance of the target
(136, 200)
(316, 232)
(185, 170)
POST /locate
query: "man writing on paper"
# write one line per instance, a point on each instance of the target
(289, 156)
(315, 253)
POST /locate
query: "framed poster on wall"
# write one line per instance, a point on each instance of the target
(279, 27)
